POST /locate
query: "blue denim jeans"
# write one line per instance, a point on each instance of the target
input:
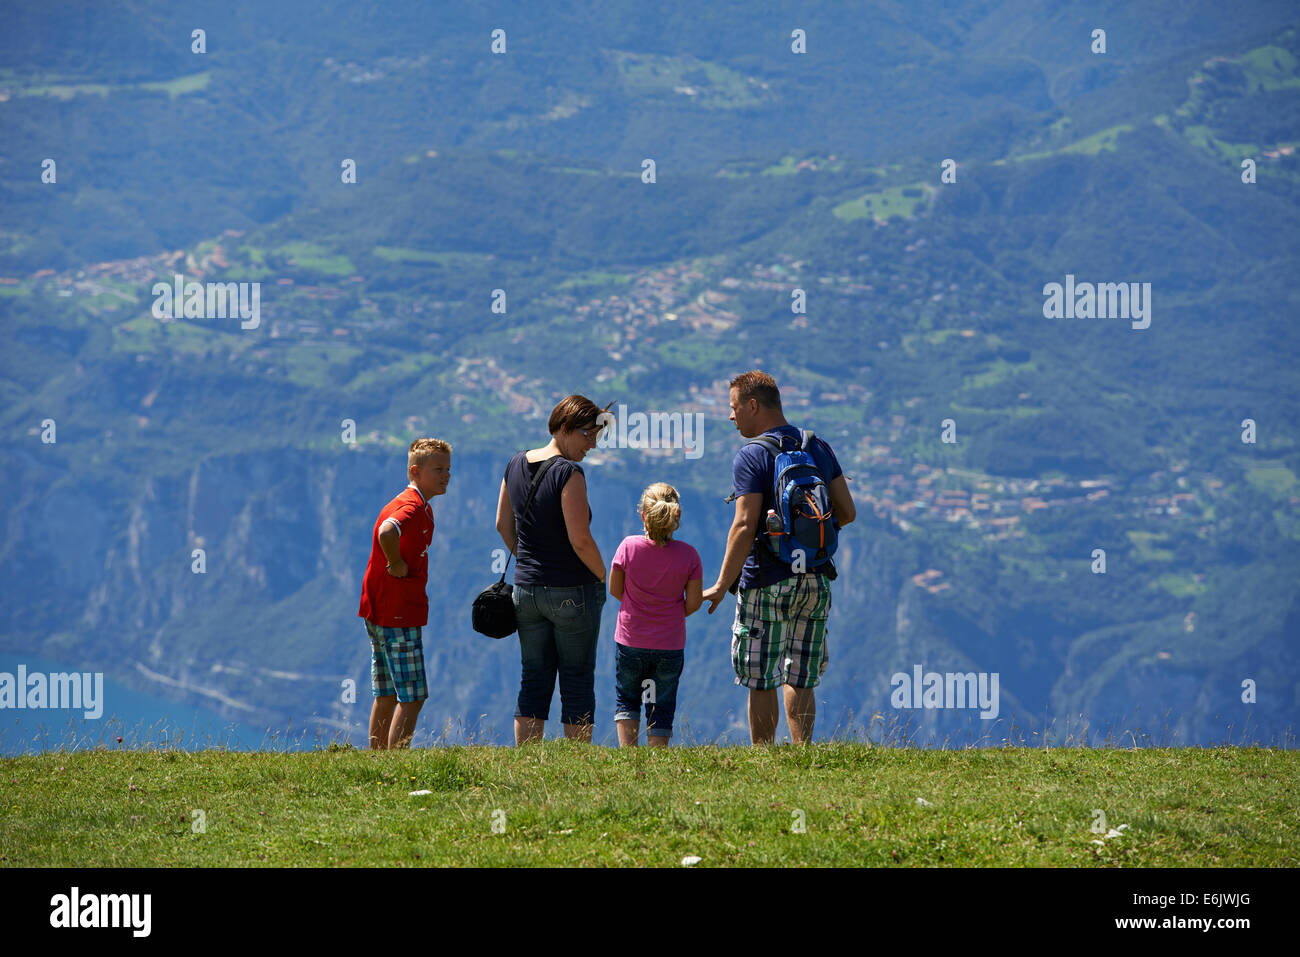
(647, 675)
(558, 629)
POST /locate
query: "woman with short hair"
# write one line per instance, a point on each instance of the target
(559, 588)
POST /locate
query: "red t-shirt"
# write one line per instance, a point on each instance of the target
(400, 602)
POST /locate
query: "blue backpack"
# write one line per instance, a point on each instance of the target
(804, 521)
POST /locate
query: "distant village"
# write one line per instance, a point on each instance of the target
(882, 479)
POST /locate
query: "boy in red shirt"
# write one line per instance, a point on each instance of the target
(393, 600)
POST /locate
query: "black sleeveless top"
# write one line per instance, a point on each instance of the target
(544, 555)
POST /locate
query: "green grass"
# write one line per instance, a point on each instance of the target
(1270, 68)
(403, 254)
(788, 166)
(785, 168)
(1013, 412)
(450, 260)
(316, 258)
(1266, 69)
(1000, 370)
(714, 86)
(903, 201)
(564, 803)
(145, 334)
(1275, 480)
(696, 357)
(597, 278)
(1088, 146)
(1180, 586)
(1142, 541)
(311, 364)
(402, 368)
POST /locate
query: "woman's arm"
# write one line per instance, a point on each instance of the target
(577, 522)
(506, 520)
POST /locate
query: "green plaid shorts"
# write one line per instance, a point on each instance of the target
(397, 663)
(779, 635)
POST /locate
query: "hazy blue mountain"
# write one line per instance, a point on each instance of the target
(775, 172)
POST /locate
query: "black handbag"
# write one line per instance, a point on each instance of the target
(494, 608)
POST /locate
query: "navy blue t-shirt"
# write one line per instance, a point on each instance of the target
(544, 555)
(753, 470)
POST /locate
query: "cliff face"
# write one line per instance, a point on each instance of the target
(267, 632)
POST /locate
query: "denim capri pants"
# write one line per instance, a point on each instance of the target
(558, 629)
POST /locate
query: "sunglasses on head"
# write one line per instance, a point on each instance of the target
(593, 430)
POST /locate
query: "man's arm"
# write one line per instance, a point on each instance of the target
(739, 541)
(842, 501)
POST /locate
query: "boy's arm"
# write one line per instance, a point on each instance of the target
(390, 537)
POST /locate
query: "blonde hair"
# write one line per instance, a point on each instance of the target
(424, 449)
(661, 510)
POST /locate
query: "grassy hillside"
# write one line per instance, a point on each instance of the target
(559, 803)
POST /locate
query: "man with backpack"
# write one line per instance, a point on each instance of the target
(791, 500)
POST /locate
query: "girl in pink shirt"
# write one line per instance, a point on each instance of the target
(658, 582)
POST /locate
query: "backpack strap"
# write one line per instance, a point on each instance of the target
(528, 503)
(767, 442)
(774, 448)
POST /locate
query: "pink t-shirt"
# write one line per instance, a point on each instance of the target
(652, 613)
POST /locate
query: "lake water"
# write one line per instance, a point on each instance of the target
(142, 720)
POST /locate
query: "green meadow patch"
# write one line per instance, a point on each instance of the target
(1269, 68)
(904, 201)
(1274, 479)
(1144, 543)
(316, 258)
(450, 260)
(1180, 586)
(704, 84)
(595, 278)
(1091, 145)
(563, 803)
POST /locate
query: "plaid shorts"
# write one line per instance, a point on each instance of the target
(397, 663)
(779, 635)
